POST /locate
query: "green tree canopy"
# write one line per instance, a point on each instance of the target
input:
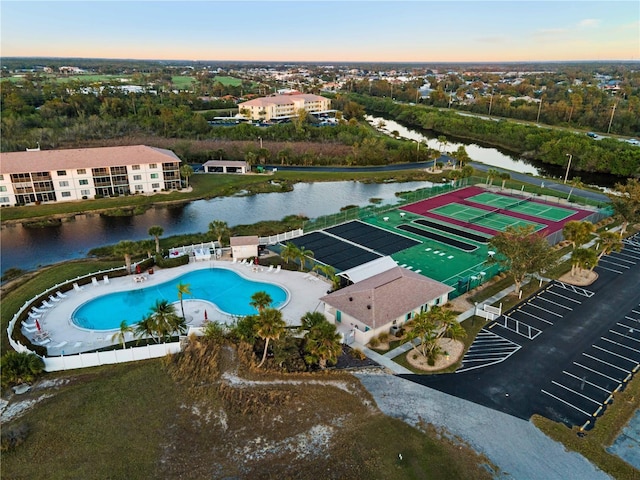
(522, 252)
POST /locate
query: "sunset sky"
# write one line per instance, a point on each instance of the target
(329, 31)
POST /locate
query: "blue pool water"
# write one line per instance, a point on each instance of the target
(230, 292)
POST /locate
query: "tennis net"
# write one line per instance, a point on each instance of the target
(484, 215)
(519, 202)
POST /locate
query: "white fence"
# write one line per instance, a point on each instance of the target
(281, 237)
(488, 312)
(95, 359)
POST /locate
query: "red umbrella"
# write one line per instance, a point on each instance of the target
(37, 324)
(206, 317)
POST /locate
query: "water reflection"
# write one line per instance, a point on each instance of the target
(29, 248)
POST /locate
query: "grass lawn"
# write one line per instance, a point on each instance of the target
(182, 82)
(228, 80)
(151, 420)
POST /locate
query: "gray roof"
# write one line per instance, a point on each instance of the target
(387, 296)
(244, 241)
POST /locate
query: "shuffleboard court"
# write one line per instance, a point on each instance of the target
(467, 247)
(377, 239)
(526, 206)
(450, 229)
(329, 250)
(488, 218)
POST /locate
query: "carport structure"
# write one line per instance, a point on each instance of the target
(562, 353)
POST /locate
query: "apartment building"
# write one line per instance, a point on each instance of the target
(281, 107)
(83, 173)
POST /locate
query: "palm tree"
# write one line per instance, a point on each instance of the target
(290, 252)
(269, 326)
(504, 176)
(430, 326)
(582, 258)
(609, 242)
(20, 367)
(147, 246)
(329, 272)
(164, 318)
(578, 233)
(218, 229)
(121, 335)
(322, 344)
(492, 173)
(185, 172)
(302, 254)
(127, 248)
(156, 232)
(261, 300)
(311, 319)
(183, 289)
(146, 328)
(626, 203)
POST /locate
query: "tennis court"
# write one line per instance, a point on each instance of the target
(522, 205)
(487, 218)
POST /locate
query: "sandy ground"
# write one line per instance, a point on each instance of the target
(579, 279)
(453, 349)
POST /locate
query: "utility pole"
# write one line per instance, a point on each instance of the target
(539, 109)
(611, 119)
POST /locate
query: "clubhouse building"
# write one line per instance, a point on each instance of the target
(282, 107)
(84, 173)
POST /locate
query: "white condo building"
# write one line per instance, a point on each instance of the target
(83, 173)
(280, 107)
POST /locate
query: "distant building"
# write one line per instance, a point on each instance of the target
(83, 173)
(225, 166)
(281, 107)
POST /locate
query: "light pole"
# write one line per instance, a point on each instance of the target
(566, 175)
(260, 138)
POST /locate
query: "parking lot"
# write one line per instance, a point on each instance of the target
(561, 353)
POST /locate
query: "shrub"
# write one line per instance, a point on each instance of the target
(13, 437)
(358, 354)
(172, 262)
(20, 367)
(374, 342)
(383, 337)
(400, 332)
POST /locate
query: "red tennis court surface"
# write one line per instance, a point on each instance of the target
(460, 196)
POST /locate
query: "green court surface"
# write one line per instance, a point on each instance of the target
(525, 206)
(438, 260)
(490, 219)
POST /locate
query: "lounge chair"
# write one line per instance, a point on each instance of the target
(270, 269)
(29, 325)
(54, 299)
(94, 280)
(77, 287)
(105, 279)
(60, 345)
(77, 344)
(278, 268)
(44, 341)
(30, 330)
(234, 260)
(33, 315)
(47, 304)
(61, 295)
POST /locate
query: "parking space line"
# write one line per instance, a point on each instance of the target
(555, 303)
(565, 402)
(625, 253)
(616, 354)
(620, 344)
(608, 269)
(635, 311)
(577, 393)
(625, 336)
(617, 380)
(629, 327)
(534, 316)
(616, 255)
(606, 363)
(604, 259)
(565, 297)
(586, 381)
(544, 309)
(630, 318)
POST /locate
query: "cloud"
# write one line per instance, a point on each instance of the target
(589, 23)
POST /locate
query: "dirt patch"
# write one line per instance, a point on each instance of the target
(579, 279)
(454, 349)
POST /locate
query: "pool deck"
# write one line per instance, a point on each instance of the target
(304, 291)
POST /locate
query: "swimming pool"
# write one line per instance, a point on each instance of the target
(230, 292)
